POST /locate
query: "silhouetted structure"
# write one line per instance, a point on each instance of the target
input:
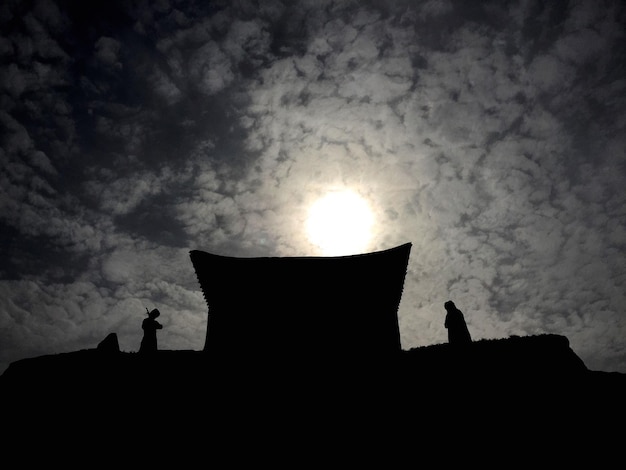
(150, 327)
(303, 307)
(455, 323)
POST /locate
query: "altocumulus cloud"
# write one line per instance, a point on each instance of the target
(490, 135)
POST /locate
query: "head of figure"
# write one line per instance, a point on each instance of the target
(449, 305)
(154, 313)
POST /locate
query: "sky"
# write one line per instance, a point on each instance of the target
(489, 134)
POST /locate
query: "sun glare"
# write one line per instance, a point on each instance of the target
(340, 223)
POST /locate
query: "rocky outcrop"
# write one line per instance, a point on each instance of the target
(109, 344)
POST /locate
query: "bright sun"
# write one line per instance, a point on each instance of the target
(340, 223)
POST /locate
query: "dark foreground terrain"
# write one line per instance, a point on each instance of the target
(510, 396)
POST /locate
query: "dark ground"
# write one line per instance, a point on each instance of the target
(511, 397)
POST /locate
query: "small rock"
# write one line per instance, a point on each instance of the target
(109, 344)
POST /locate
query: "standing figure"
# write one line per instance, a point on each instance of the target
(150, 327)
(455, 323)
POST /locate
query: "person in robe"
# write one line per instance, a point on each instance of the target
(150, 327)
(458, 333)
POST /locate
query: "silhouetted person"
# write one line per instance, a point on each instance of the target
(150, 327)
(455, 323)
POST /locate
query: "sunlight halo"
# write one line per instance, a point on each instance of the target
(340, 223)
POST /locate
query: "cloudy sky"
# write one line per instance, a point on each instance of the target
(490, 135)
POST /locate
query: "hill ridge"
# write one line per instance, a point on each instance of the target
(493, 391)
(523, 358)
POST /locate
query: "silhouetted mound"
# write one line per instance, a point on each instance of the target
(500, 369)
(528, 395)
(492, 392)
(516, 358)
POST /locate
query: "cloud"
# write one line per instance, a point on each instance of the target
(211, 69)
(40, 161)
(166, 87)
(107, 50)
